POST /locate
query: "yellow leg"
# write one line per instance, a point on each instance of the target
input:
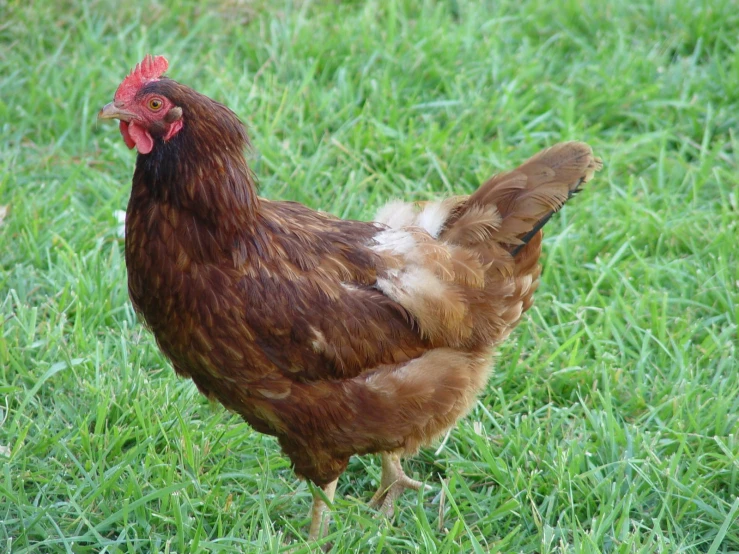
(394, 481)
(320, 514)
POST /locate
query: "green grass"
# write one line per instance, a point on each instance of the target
(612, 421)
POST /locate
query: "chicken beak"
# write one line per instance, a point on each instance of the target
(114, 110)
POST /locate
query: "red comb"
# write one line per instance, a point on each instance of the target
(150, 69)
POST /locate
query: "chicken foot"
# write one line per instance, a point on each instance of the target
(392, 484)
(320, 514)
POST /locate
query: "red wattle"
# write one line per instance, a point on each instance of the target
(134, 135)
(123, 126)
(144, 142)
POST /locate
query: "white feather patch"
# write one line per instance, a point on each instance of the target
(411, 285)
(419, 281)
(395, 241)
(396, 214)
(433, 217)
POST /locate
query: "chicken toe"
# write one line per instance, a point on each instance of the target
(392, 484)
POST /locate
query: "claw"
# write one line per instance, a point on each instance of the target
(392, 484)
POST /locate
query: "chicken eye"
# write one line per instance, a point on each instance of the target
(155, 104)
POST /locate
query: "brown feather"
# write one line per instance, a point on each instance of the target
(476, 224)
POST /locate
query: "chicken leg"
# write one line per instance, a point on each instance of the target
(392, 484)
(320, 515)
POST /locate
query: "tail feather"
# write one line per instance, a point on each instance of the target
(474, 225)
(520, 202)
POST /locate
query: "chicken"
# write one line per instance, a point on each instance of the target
(338, 337)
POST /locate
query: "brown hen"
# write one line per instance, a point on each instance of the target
(337, 337)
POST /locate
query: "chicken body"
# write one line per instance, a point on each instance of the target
(337, 337)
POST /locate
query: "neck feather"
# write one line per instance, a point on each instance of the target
(201, 169)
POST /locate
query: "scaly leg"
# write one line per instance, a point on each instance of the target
(394, 481)
(320, 515)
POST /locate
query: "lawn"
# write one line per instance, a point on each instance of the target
(611, 423)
